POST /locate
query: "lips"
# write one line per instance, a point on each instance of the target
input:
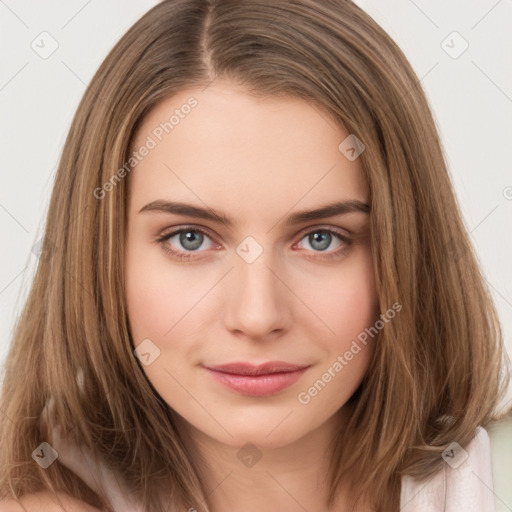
(262, 369)
(257, 380)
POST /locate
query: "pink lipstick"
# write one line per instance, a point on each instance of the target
(261, 380)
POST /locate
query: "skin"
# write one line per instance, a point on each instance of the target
(46, 501)
(256, 161)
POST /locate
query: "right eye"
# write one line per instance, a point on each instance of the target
(184, 242)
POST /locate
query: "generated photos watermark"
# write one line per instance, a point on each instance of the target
(305, 397)
(157, 135)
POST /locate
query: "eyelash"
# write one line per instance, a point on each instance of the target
(347, 242)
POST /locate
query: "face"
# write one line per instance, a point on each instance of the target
(243, 308)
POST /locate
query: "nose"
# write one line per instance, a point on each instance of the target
(257, 304)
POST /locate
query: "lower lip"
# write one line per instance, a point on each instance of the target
(257, 385)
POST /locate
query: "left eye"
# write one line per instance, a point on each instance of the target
(321, 239)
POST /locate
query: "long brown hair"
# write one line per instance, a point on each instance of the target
(437, 371)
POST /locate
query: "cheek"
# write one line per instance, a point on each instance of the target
(149, 301)
(349, 307)
(161, 303)
(158, 295)
(349, 303)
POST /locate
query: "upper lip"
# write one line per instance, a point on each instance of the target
(262, 369)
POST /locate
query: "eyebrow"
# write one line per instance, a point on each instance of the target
(329, 210)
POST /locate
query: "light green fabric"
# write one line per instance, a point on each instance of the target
(500, 435)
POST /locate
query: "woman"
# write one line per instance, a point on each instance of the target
(259, 290)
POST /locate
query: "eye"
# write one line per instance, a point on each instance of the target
(182, 243)
(186, 242)
(320, 240)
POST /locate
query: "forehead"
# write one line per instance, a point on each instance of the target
(224, 147)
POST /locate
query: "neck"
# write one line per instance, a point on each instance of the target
(250, 479)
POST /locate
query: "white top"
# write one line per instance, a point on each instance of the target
(464, 482)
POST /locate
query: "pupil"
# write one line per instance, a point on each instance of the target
(320, 240)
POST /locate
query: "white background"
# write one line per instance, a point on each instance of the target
(471, 97)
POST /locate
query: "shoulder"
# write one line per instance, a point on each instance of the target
(500, 434)
(463, 482)
(46, 501)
